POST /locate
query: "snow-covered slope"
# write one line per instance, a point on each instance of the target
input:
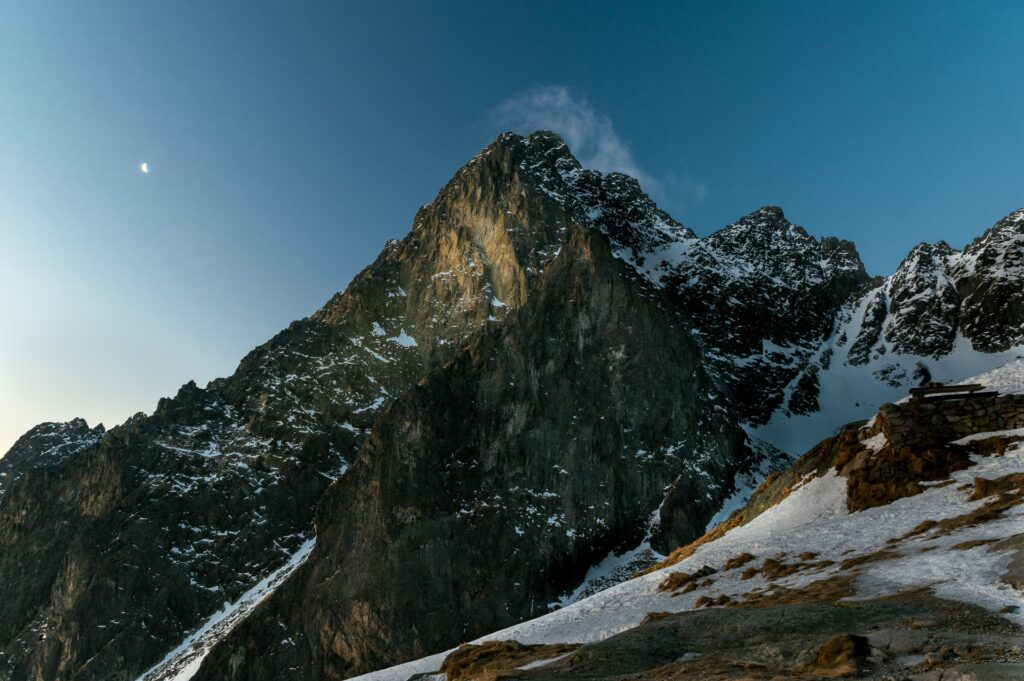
(850, 392)
(883, 550)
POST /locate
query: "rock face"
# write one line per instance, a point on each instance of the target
(546, 368)
(170, 515)
(46, 445)
(485, 492)
(829, 571)
(988, 278)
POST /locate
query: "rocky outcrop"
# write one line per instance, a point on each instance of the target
(988, 278)
(486, 491)
(46, 445)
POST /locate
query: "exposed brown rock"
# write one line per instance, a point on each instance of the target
(841, 656)
(918, 435)
(829, 590)
(973, 543)
(655, 616)
(1011, 484)
(738, 561)
(493, 660)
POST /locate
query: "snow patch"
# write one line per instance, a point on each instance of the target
(404, 339)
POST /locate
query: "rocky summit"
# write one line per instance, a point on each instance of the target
(548, 385)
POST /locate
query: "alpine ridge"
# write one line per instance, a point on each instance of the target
(546, 372)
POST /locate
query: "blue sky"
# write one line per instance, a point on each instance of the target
(287, 141)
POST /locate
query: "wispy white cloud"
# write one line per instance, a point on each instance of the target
(589, 133)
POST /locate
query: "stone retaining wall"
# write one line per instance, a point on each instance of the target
(928, 423)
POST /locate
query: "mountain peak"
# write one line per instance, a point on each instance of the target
(492, 371)
(539, 147)
(765, 230)
(927, 250)
(769, 212)
(768, 219)
(546, 139)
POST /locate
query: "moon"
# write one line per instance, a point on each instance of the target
(144, 168)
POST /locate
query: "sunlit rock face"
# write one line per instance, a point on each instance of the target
(487, 490)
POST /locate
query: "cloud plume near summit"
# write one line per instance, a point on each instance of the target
(589, 133)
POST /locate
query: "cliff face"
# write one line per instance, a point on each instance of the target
(485, 492)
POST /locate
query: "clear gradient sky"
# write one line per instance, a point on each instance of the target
(287, 141)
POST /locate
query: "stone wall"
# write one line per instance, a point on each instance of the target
(933, 423)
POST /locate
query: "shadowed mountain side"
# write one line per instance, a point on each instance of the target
(486, 491)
